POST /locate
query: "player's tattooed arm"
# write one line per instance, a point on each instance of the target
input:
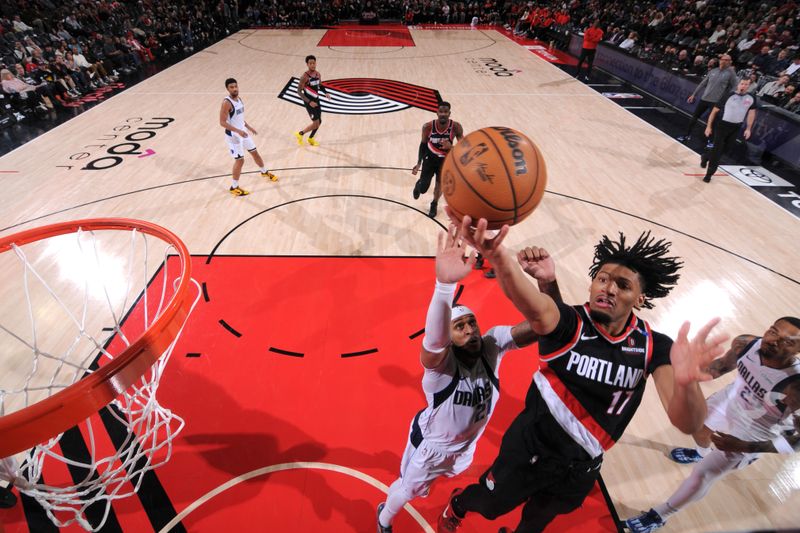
(726, 363)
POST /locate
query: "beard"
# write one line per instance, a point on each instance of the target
(600, 317)
(464, 353)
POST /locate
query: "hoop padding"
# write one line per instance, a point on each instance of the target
(37, 423)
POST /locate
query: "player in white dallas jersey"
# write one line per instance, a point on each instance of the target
(758, 413)
(237, 135)
(460, 378)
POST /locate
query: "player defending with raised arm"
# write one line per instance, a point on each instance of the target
(460, 379)
(758, 413)
(437, 140)
(595, 359)
(237, 135)
(309, 89)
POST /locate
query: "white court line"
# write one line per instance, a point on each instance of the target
(604, 84)
(292, 466)
(640, 107)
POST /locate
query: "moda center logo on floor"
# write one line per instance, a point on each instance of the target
(489, 66)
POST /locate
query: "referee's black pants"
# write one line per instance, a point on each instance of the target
(724, 136)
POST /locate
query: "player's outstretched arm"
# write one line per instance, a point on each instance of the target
(678, 383)
(451, 267)
(537, 308)
(722, 365)
(537, 263)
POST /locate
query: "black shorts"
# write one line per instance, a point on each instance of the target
(314, 112)
(538, 465)
(431, 166)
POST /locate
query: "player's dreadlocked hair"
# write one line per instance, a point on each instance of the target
(647, 257)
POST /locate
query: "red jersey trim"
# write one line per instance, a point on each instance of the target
(606, 335)
(575, 407)
(648, 354)
(567, 347)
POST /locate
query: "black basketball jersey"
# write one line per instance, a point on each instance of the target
(435, 138)
(592, 381)
(312, 87)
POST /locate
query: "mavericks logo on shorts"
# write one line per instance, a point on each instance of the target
(367, 96)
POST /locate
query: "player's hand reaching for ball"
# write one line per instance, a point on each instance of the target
(451, 264)
(537, 263)
(690, 358)
(487, 243)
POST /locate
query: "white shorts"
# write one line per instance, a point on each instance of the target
(422, 465)
(237, 144)
(718, 420)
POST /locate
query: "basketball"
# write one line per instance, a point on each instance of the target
(495, 173)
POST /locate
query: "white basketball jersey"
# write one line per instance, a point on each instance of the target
(752, 404)
(236, 115)
(460, 399)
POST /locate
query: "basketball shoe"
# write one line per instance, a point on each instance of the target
(382, 529)
(448, 521)
(433, 210)
(645, 522)
(685, 456)
(269, 175)
(312, 141)
(299, 137)
(238, 191)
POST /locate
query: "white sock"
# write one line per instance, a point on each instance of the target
(665, 510)
(703, 451)
(235, 184)
(705, 473)
(395, 501)
(264, 170)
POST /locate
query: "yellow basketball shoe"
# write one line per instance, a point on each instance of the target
(312, 141)
(299, 138)
(238, 191)
(269, 175)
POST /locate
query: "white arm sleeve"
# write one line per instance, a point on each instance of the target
(437, 323)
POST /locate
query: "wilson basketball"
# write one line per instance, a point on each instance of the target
(494, 173)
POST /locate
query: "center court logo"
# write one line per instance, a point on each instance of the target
(489, 66)
(367, 96)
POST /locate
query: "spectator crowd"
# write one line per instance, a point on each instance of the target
(52, 52)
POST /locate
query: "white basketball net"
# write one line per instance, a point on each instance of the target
(71, 313)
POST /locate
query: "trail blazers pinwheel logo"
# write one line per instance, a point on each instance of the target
(368, 96)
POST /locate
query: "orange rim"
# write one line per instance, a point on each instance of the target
(37, 423)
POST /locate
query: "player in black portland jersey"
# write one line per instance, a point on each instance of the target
(437, 140)
(595, 360)
(310, 88)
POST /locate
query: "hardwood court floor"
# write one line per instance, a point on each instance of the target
(608, 172)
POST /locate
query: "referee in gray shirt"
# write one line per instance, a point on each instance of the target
(717, 83)
(736, 107)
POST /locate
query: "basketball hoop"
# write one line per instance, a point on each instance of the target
(84, 341)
